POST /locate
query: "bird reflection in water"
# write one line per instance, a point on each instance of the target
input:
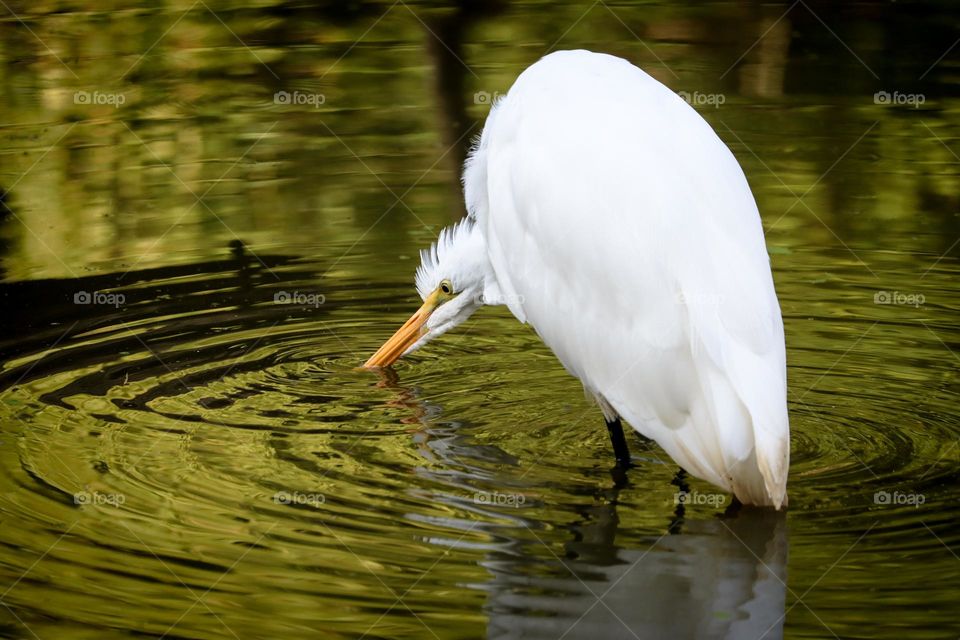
(716, 577)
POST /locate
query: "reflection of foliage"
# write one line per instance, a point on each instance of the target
(198, 90)
(5, 210)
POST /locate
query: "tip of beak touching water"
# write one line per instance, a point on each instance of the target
(404, 338)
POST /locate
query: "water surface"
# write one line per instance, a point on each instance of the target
(192, 276)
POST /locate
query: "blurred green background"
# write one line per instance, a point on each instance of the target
(142, 142)
(199, 152)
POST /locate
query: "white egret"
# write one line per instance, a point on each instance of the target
(605, 212)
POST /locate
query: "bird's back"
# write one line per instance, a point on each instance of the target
(623, 230)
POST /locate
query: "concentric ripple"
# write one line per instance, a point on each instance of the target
(205, 452)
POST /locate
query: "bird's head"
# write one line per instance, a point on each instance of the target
(454, 280)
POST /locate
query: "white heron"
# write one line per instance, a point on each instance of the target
(605, 212)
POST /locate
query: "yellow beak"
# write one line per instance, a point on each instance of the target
(405, 337)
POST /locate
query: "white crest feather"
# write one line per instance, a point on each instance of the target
(442, 259)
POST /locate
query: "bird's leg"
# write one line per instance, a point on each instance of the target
(683, 489)
(620, 450)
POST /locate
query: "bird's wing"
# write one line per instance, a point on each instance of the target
(622, 228)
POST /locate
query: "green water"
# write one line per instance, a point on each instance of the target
(189, 455)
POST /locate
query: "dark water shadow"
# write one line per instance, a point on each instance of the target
(72, 321)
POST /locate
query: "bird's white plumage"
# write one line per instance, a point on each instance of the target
(605, 211)
(623, 230)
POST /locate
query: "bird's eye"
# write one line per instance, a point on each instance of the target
(446, 287)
